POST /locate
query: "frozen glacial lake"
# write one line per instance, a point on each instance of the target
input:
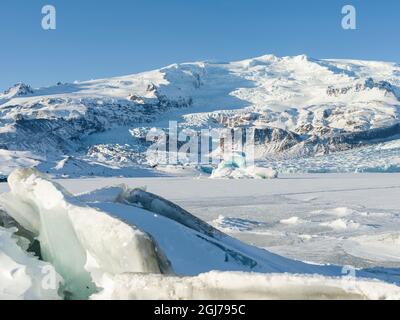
(343, 219)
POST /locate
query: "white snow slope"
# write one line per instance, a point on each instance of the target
(121, 243)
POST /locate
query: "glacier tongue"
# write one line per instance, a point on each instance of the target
(83, 244)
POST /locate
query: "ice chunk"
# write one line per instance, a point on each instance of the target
(224, 171)
(158, 205)
(69, 232)
(100, 256)
(235, 166)
(23, 276)
(150, 202)
(261, 173)
(341, 224)
(291, 221)
(236, 160)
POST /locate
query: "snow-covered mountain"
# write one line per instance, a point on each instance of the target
(298, 107)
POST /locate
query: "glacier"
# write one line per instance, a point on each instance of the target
(235, 166)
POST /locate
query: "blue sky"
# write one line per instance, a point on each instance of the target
(97, 39)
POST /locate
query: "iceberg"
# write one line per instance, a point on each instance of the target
(235, 166)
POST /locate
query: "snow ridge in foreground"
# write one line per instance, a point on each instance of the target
(240, 285)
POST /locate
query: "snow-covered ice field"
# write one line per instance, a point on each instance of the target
(311, 231)
(341, 219)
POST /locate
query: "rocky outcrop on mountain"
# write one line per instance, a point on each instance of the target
(116, 155)
(276, 140)
(18, 90)
(368, 84)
